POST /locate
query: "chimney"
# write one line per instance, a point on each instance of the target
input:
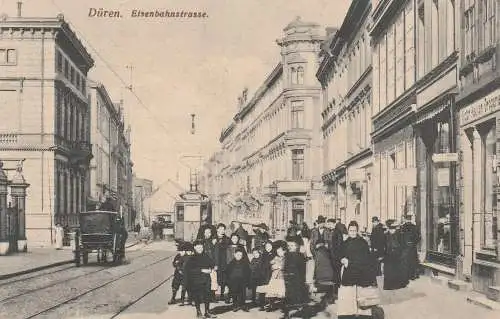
(19, 7)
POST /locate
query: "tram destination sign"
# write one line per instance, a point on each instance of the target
(477, 110)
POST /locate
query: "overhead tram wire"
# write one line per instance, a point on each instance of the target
(108, 65)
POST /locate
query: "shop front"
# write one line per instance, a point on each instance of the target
(479, 135)
(335, 197)
(437, 161)
(358, 189)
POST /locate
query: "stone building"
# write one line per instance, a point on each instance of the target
(43, 89)
(478, 107)
(270, 151)
(394, 103)
(345, 74)
(142, 191)
(110, 165)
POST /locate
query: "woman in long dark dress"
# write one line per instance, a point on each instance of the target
(394, 276)
(358, 270)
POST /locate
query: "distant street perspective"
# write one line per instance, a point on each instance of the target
(250, 159)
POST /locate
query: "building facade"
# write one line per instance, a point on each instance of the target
(269, 153)
(478, 105)
(394, 100)
(43, 75)
(110, 166)
(142, 191)
(345, 75)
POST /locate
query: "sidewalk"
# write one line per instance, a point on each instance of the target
(421, 300)
(37, 259)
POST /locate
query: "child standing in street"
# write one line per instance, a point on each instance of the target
(178, 279)
(238, 275)
(294, 271)
(198, 281)
(275, 289)
(257, 277)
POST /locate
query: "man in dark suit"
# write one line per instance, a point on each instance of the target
(377, 241)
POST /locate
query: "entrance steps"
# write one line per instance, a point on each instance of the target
(482, 301)
(494, 293)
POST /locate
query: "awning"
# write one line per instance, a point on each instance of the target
(427, 115)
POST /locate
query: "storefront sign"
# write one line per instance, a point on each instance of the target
(484, 106)
(445, 157)
(443, 176)
(404, 176)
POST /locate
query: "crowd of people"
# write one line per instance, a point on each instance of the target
(330, 259)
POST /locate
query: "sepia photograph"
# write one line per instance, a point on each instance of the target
(249, 159)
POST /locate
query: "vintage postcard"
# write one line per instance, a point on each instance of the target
(249, 159)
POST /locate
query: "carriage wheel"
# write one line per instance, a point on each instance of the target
(85, 258)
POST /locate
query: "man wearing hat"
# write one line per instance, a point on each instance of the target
(410, 239)
(377, 241)
(321, 242)
(261, 236)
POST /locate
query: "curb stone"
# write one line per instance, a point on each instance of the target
(47, 266)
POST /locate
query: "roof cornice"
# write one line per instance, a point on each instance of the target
(56, 25)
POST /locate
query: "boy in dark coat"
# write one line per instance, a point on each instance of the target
(220, 254)
(238, 275)
(197, 271)
(178, 279)
(257, 277)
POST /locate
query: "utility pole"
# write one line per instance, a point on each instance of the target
(130, 67)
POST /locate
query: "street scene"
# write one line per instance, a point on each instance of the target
(218, 159)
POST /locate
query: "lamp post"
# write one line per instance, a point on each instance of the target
(18, 188)
(274, 194)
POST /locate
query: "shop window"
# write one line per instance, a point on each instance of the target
(489, 184)
(442, 203)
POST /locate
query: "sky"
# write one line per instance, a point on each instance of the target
(180, 66)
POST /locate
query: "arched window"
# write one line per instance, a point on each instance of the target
(293, 75)
(300, 75)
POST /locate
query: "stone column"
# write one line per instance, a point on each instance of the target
(476, 197)
(467, 199)
(18, 194)
(4, 240)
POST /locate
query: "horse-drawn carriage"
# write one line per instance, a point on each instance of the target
(100, 232)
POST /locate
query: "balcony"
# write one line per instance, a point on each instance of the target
(77, 150)
(25, 140)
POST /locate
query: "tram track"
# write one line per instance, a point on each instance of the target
(60, 281)
(45, 272)
(144, 295)
(103, 285)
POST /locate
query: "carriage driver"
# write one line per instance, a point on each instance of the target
(122, 231)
